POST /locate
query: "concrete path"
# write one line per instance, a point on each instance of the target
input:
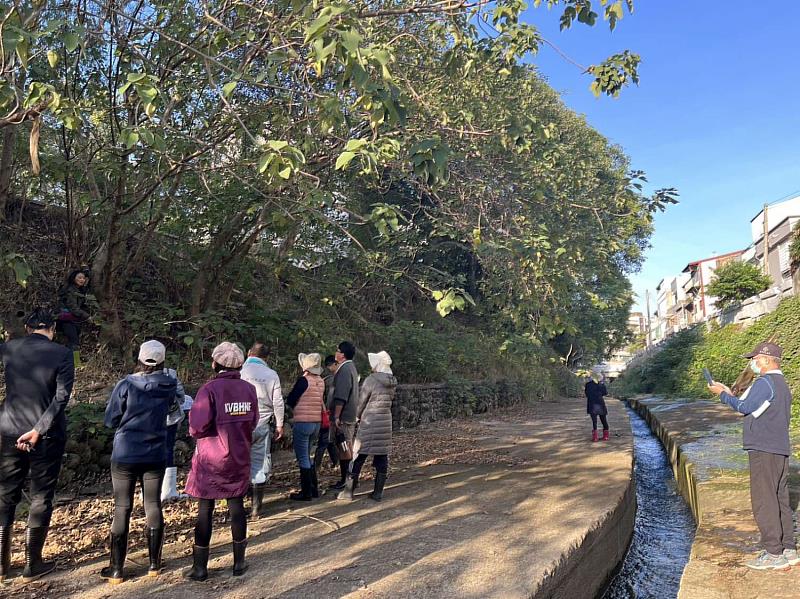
(511, 517)
(704, 440)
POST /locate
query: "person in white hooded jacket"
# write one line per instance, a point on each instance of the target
(270, 422)
(374, 433)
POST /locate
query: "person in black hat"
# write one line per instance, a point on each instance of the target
(767, 406)
(33, 429)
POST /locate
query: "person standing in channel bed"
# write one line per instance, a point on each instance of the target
(345, 404)
(222, 419)
(33, 433)
(767, 406)
(270, 423)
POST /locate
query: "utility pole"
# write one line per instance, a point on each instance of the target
(647, 300)
(766, 241)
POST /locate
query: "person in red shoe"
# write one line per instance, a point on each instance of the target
(595, 390)
(222, 419)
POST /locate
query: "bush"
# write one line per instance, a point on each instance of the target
(677, 369)
(736, 281)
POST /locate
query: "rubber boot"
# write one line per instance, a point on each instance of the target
(605, 435)
(594, 435)
(35, 568)
(76, 359)
(155, 543)
(169, 488)
(119, 548)
(380, 481)
(305, 486)
(239, 567)
(314, 483)
(349, 488)
(5, 552)
(258, 500)
(199, 571)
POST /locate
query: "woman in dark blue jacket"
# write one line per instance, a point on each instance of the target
(138, 409)
(596, 406)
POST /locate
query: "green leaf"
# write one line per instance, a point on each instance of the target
(71, 41)
(344, 159)
(136, 77)
(228, 88)
(52, 58)
(317, 27)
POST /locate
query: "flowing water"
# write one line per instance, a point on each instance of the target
(664, 530)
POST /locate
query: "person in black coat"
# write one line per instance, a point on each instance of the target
(74, 310)
(33, 432)
(596, 405)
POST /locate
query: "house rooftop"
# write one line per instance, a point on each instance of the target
(698, 262)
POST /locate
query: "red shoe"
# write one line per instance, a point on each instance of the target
(594, 435)
(605, 435)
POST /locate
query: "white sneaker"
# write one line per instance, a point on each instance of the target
(791, 556)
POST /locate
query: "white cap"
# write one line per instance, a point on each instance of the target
(152, 352)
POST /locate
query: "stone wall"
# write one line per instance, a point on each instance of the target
(753, 308)
(419, 404)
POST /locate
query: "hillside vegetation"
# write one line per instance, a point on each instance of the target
(677, 368)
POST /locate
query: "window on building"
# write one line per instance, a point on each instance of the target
(783, 258)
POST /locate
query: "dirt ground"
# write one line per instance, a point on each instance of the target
(482, 507)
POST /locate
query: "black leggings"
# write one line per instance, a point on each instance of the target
(380, 462)
(124, 478)
(205, 520)
(602, 419)
(72, 331)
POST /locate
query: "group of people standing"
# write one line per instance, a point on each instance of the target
(234, 419)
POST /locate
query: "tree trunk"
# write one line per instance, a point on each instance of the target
(6, 167)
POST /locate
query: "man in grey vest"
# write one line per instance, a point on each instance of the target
(345, 403)
(767, 407)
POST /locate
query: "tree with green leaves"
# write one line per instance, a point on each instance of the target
(736, 281)
(404, 143)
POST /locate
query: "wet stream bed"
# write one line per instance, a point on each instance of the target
(664, 528)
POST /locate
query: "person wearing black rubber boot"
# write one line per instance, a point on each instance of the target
(138, 409)
(307, 402)
(33, 431)
(345, 405)
(374, 436)
(222, 419)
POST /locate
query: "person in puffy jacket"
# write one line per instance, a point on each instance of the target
(307, 400)
(374, 433)
(223, 417)
(138, 410)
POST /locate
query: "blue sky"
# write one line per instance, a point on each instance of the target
(716, 114)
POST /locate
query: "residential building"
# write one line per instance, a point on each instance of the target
(697, 305)
(780, 221)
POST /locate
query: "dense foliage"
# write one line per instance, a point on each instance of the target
(736, 281)
(310, 169)
(677, 368)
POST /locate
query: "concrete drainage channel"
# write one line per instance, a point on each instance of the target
(664, 528)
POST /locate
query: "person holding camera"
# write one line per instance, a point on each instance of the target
(767, 406)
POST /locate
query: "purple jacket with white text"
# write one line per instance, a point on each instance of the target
(222, 419)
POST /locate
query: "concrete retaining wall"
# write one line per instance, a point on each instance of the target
(586, 569)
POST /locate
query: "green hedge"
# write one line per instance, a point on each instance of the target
(677, 368)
